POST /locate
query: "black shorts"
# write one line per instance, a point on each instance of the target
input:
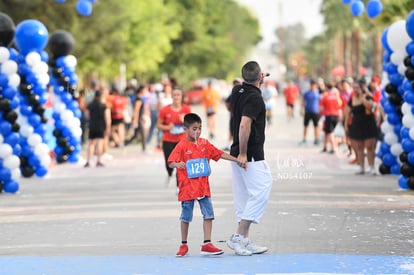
(93, 134)
(117, 121)
(309, 116)
(330, 124)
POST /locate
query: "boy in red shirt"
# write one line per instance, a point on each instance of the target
(191, 157)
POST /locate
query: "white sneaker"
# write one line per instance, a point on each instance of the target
(236, 243)
(255, 249)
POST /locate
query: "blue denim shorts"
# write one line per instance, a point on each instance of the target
(206, 208)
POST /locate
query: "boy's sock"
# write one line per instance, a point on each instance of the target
(207, 241)
(183, 242)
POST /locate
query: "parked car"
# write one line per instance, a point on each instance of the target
(194, 95)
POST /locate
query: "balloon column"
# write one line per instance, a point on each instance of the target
(66, 112)
(397, 149)
(31, 38)
(357, 7)
(83, 7)
(9, 128)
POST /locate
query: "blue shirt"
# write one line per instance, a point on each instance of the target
(312, 99)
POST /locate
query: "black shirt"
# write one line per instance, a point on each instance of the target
(97, 116)
(247, 100)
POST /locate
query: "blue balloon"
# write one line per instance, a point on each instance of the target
(12, 139)
(14, 102)
(407, 144)
(404, 132)
(34, 161)
(357, 7)
(5, 174)
(395, 169)
(389, 159)
(84, 7)
(396, 79)
(73, 158)
(9, 92)
(4, 80)
(402, 182)
(346, 2)
(40, 171)
(374, 8)
(11, 186)
(397, 128)
(61, 1)
(409, 97)
(409, 24)
(34, 119)
(13, 54)
(384, 42)
(17, 150)
(393, 118)
(410, 158)
(26, 110)
(30, 35)
(5, 128)
(409, 48)
(391, 68)
(389, 107)
(385, 148)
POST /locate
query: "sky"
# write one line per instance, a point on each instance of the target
(293, 11)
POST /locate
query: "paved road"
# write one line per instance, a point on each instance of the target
(122, 219)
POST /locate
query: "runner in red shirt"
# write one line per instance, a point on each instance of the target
(330, 108)
(291, 92)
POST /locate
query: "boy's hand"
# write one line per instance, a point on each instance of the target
(180, 165)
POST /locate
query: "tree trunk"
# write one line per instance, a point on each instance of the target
(356, 53)
(376, 54)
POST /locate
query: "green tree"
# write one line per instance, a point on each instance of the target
(186, 39)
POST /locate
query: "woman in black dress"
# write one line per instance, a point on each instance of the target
(361, 126)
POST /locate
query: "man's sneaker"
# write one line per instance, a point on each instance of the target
(236, 243)
(210, 249)
(255, 249)
(182, 251)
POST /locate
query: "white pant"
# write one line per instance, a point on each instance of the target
(251, 190)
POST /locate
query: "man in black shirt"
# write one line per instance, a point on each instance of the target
(251, 184)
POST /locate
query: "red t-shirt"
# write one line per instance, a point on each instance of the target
(291, 93)
(168, 115)
(329, 104)
(118, 105)
(191, 189)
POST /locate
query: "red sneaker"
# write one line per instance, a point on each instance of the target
(182, 251)
(210, 249)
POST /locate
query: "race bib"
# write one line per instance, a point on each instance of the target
(177, 130)
(198, 168)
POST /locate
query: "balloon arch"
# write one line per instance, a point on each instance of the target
(38, 111)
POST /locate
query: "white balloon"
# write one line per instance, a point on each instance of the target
(33, 58)
(45, 160)
(401, 69)
(406, 108)
(397, 36)
(408, 120)
(4, 54)
(5, 150)
(41, 149)
(9, 67)
(386, 127)
(41, 68)
(397, 58)
(1, 139)
(77, 132)
(67, 116)
(44, 79)
(15, 173)
(26, 130)
(71, 61)
(14, 80)
(11, 162)
(34, 139)
(390, 138)
(59, 107)
(396, 149)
